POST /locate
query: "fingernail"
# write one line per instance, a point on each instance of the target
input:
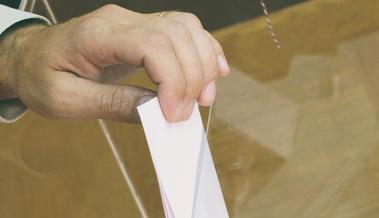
(209, 93)
(223, 65)
(145, 99)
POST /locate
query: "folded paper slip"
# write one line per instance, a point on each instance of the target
(183, 163)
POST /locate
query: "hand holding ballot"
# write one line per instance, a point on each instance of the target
(183, 163)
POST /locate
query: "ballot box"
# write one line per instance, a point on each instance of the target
(293, 132)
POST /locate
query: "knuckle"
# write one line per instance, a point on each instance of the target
(90, 23)
(111, 102)
(110, 8)
(89, 27)
(177, 27)
(179, 30)
(91, 30)
(191, 20)
(157, 39)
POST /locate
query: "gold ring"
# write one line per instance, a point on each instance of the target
(163, 13)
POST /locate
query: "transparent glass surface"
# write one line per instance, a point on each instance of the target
(294, 131)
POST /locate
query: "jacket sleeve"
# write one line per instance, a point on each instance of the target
(12, 109)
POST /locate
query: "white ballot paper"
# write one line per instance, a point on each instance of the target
(183, 163)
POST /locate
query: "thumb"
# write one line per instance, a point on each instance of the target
(104, 101)
(119, 102)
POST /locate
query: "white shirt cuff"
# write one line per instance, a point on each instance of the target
(10, 16)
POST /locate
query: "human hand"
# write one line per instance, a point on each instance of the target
(63, 71)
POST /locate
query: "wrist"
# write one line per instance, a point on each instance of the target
(15, 45)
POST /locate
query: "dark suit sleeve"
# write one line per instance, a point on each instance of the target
(10, 3)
